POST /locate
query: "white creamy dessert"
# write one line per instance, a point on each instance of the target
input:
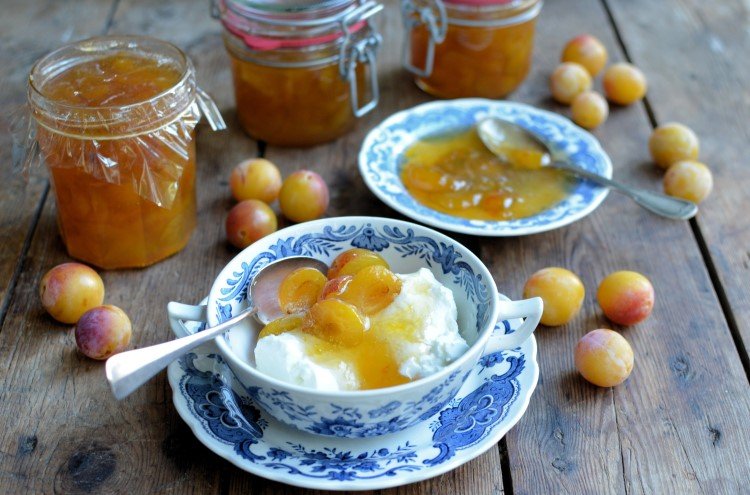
(284, 357)
(420, 328)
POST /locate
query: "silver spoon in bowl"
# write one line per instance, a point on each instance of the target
(129, 370)
(503, 137)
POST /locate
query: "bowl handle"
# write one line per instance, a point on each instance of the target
(529, 309)
(179, 313)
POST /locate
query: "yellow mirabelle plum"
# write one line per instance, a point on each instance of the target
(589, 109)
(626, 297)
(568, 81)
(624, 83)
(604, 358)
(587, 51)
(560, 289)
(256, 178)
(689, 180)
(671, 143)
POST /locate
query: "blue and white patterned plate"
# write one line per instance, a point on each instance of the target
(224, 418)
(382, 156)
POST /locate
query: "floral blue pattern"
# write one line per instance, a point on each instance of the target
(347, 422)
(466, 423)
(238, 421)
(335, 239)
(233, 419)
(400, 243)
(382, 157)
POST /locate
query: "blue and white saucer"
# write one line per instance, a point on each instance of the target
(224, 418)
(382, 157)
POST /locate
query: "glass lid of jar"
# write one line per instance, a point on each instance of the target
(491, 3)
(288, 6)
(299, 19)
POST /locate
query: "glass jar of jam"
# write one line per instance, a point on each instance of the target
(303, 70)
(114, 121)
(469, 48)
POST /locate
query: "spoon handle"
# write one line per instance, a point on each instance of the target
(129, 370)
(661, 204)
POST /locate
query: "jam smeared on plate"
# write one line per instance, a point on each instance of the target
(457, 175)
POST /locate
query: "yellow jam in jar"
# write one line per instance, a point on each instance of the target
(487, 50)
(292, 106)
(303, 72)
(111, 157)
(457, 175)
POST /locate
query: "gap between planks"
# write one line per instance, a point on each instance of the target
(700, 239)
(21, 260)
(505, 470)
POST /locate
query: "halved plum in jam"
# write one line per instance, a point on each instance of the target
(351, 261)
(335, 321)
(300, 289)
(281, 325)
(372, 289)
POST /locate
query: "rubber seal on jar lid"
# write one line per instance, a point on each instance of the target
(294, 23)
(263, 43)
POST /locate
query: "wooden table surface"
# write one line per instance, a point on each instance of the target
(678, 425)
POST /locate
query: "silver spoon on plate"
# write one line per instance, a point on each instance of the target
(519, 147)
(129, 370)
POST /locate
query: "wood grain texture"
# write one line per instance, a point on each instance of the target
(71, 435)
(28, 30)
(678, 425)
(703, 84)
(657, 432)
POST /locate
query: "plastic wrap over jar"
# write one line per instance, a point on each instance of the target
(113, 119)
(469, 48)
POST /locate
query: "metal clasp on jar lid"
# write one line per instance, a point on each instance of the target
(353, 52)
(435, 19)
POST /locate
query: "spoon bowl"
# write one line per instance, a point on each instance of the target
(129, 370)
(521, 148)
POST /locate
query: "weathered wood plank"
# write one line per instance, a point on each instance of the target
(703, 84)
(27, 31)
(670, 425)
(62, 430)
(656, 433)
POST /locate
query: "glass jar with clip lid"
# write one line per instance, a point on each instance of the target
(303, 70)
(469, 48)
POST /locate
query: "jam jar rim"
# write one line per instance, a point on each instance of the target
(187, 71)
(273, 43)
(489, 5)
(47, 110)
(252, 7)
(264, 30)
(519, 11)
(229, 11)
(464, 14)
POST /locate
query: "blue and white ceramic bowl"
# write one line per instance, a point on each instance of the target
(407, 247)
(382, 158)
